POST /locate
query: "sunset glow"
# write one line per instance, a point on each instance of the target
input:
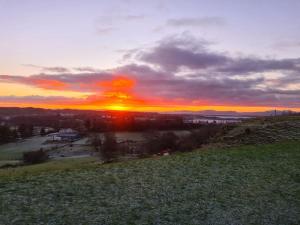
(135, 61)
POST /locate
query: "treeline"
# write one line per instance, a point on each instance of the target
(131, 124)
(8, 134)
(157, 143)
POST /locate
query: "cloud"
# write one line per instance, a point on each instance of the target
(133, 17)
(111, 23)
(171, 58)
(36, 99)
(54, 69)
(178, 72)
(287, 44)
(196, 22)
(106, 30)
(172, 55)
(87, 69)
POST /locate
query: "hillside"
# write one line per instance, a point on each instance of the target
(242, 185)
(264, 130)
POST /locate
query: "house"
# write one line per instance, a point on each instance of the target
(37, 130)
(65, 135)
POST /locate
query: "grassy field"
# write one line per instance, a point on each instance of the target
(265, 130)
(14, 151)
(11, 152)
(243, 185)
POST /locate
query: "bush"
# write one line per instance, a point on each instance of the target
(197, 138)
(205, 134)
(247, 131)
(186, 144)
(34, 157)
(156, 143)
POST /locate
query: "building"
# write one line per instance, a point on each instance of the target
(65, 135)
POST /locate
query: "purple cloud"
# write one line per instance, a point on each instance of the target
(211, 77)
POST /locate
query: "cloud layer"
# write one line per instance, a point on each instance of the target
(177, 72)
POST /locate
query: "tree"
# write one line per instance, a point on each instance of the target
(156, 142)
(42, 132)
(6, 135)
(88, 124)
(151, 145)
(168, 140)
(25, 130)
(109, 147)
(96, 141)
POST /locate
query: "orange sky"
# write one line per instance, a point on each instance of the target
(115, 94)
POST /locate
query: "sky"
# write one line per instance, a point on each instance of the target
(160, 55)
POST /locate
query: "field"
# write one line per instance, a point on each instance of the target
(256, 184)
(11, 152)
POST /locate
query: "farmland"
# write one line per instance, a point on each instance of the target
(242, 185)
(12, 152)
(249, 175)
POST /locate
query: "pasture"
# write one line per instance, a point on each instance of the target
(257, 184)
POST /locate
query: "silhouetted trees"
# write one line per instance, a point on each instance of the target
(34, 157)
(159, 142)
(6, 134)
(156, 142)
(25, 130)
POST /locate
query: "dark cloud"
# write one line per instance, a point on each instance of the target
(171, 55)
(256, 65)
(171, 58)
(151, 83)
(211, 78)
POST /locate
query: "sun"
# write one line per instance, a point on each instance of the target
(118, 107)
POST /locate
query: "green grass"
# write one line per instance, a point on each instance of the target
(265, 130)
(242, 185)
(14, 151)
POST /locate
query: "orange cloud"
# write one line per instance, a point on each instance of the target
(117, 94)
(50, 84)
(152, 93)
(118, 83)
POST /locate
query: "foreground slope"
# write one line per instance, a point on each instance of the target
(243, 185)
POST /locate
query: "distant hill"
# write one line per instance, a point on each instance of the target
(234, 113)
(15, 111)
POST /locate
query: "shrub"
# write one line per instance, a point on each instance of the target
(34, 157)
(206, 133)
(168, 141)
(247, 131)
(150, 145)
(197, 138)
(186, 143)
(155, 142)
